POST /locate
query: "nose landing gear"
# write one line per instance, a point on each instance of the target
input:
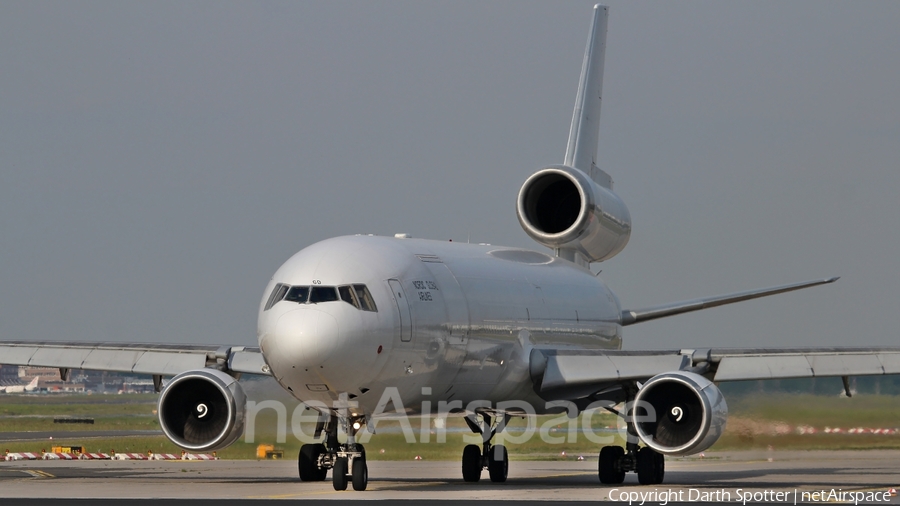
(347, 461)
(494, 458)
(350, 466)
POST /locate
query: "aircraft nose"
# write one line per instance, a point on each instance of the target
(306, 337)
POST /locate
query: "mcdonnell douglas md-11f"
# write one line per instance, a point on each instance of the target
(349, 322)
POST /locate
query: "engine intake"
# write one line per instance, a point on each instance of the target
(679, 413)
(562, 208)
(202, 410)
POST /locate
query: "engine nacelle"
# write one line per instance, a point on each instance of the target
(562, 207)
(202, 410)
(688, 413)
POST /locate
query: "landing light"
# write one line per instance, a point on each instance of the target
(356, 425)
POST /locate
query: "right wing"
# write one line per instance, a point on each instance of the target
(152, 359)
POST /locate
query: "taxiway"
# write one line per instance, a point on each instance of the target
(528, 480)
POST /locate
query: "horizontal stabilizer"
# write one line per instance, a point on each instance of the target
(633, 316)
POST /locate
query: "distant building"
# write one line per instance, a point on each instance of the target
(45, 373)
(137, 386)
(59, 386)
(9, 373)
(49, 379)
(79, 380)
(9, 376)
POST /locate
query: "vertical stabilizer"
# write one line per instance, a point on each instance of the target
(584, 133)
(571, 207)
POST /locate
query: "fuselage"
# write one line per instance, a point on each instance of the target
(455, 321)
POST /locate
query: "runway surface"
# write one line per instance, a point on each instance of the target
(734, 473)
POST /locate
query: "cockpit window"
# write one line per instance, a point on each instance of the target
(347, 295)
(366, 302)
(322, 294)
(277, 294)
(298, 294)
(357, 296)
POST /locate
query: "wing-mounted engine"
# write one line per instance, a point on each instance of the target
(202, 410)
(563, 208)
(679, 413)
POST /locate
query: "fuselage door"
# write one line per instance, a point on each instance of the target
(402, 306)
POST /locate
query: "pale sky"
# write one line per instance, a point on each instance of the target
(160, 160)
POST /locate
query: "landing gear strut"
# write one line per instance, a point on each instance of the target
(494, 458)
(347, 461)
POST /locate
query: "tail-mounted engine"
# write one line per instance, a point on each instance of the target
(679, 413)
(563, 208)
(202, 410)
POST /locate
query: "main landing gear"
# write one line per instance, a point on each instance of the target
(649, 464)
(347, 461)
(494, 458)
(615, 461)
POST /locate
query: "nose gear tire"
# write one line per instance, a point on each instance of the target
(360, 474)
(339, 474)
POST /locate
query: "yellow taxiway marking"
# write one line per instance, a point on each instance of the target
(37, 473)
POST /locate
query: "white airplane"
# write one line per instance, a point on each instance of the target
(365, 326)
(18, 389)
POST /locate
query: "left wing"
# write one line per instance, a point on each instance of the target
(152, 359)
(579, 373)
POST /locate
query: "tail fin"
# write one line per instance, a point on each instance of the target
(581, 151)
